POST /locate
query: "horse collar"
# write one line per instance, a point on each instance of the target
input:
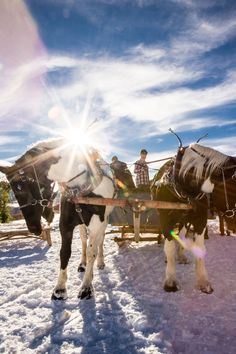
(93, 181)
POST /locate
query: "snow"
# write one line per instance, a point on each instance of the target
(130, 312)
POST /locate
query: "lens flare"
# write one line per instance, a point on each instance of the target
(189, 245)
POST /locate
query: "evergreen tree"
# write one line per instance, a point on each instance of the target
(5, 215)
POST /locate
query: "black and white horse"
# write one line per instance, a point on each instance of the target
(198, 171)
(79, 173)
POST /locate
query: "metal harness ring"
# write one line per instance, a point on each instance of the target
(229, 213)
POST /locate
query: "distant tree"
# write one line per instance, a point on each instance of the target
(5, 215)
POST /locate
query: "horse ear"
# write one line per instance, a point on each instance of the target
(5, 168)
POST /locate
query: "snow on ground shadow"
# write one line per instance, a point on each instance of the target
(130, 312)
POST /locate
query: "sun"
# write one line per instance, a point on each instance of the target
(78, 137)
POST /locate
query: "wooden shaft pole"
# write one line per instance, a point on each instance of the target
(132, 202)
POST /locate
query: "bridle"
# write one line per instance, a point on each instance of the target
(92, 181)
(229, 213)
(174, 176)
(94, 178)
(43, 202)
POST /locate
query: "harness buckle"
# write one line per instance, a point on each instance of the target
(44, 202)
(78, 209)
(229, 213)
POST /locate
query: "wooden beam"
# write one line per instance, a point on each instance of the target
(140, 203)
(24, 233)
(141, 239)
(10, 233)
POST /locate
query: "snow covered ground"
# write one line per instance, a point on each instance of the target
(130, 312)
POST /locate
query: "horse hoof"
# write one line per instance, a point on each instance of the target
(101, 266)
(207, 289)
(86, 293)
(59, 294)
(81, 268)
(183, 260)
(171, 288)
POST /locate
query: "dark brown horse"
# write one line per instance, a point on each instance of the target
(198, 171)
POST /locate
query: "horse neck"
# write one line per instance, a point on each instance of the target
(105, 188)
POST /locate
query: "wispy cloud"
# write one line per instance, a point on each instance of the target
(224, 144)
(202, 36)
(152, 87)
(8, 139)
(126, 88)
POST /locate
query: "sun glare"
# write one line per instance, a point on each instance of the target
(77, 137)
(81, 128)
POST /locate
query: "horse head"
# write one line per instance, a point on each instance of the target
(202, 169)
(31, 187)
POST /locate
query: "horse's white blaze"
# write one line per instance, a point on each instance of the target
(207, 186)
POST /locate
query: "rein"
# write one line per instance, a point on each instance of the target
(43, 202)
(229, 213)
(78, 175)
(85, 189)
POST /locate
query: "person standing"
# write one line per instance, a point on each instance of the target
(122, 174)
(142, 172)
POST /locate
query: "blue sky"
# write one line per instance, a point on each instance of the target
(130, 69)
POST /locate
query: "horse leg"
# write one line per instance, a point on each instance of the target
(202, 278)
(83, 236)
(96, 230)
(100, 257)
(221, 225)
(170, 283)
(60, 291)
(181, 257)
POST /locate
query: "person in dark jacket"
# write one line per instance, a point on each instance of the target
(122, 175)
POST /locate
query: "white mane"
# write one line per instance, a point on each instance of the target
(197, 157)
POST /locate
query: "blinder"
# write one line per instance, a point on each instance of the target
(23, 185)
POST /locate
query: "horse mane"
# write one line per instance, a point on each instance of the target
(202, 161)
(39, 148)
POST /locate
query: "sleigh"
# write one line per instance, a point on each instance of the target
(136, 215)
(135, 219)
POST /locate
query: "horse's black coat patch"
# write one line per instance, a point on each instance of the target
(69, 215)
